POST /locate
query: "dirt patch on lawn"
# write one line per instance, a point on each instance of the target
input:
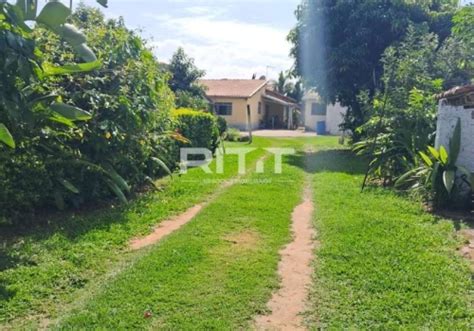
(295, 271)
(236, 245)
(468, 249)
(243, 240)
(165, 228)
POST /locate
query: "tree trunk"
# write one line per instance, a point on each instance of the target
(249, 124)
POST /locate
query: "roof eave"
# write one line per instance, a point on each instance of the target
(279, 101)
(265, 82)
(456, 92)
(229, 96)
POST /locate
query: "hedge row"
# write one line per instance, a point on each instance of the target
(128, 141)
(199, 127)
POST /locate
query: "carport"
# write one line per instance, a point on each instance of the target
(279, 111)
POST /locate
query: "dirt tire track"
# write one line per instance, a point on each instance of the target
(295, 270)
(173, 224)
(165, 228)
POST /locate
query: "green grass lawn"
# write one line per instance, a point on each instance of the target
(216, 273)
(383, 263)
(42, 267)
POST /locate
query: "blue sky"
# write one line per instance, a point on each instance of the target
(227, 38)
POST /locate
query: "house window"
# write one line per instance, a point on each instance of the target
(259, 108)
(318, 109)
(223, 109)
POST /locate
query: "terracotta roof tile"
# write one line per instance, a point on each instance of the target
(456, 92)
(232, 88)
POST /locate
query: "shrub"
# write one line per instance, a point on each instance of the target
(200, 128)
(438, 178)
(121, 145)
(233, 134)
(401, 118)
(222, 125)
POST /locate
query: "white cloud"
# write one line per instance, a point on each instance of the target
(226, 48)
(204, 10)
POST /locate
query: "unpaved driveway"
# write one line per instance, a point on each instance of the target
(288, 303)
(281, 133)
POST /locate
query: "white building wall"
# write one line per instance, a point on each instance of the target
(447, 120)
(311, 120)
(334, 116)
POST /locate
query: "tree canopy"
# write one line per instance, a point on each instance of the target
(184, 81)
(291, 89)
(338, 45)
(463, 30)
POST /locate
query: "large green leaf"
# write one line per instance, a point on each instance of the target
(44, 98)
(408, 177)
(6, 137)
(71, 34)
(28, 8)
(21, 4)
(63, 120)
(426, 159)
(103, 3)
(117, 179)
(69, 186)
(31, 9)
(455, 144)
(52, 70)
(85, 52)
(70, 112)
(162, 165)
(443, 155)
(449, 176)
(77, 40)
(116, 190)
(20, 14)
(433, 152)
(54, 14)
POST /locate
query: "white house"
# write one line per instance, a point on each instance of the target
(235, 99)
(321, 117)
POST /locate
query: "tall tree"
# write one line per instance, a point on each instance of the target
(463, 31)
(184, 81)
(281, 82)
(338, 44)
(295, 91)
(285, 86)
(464, 24)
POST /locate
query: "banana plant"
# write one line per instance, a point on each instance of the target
(439, 168)
(53, 16)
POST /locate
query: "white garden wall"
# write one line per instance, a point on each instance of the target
(457, 106)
